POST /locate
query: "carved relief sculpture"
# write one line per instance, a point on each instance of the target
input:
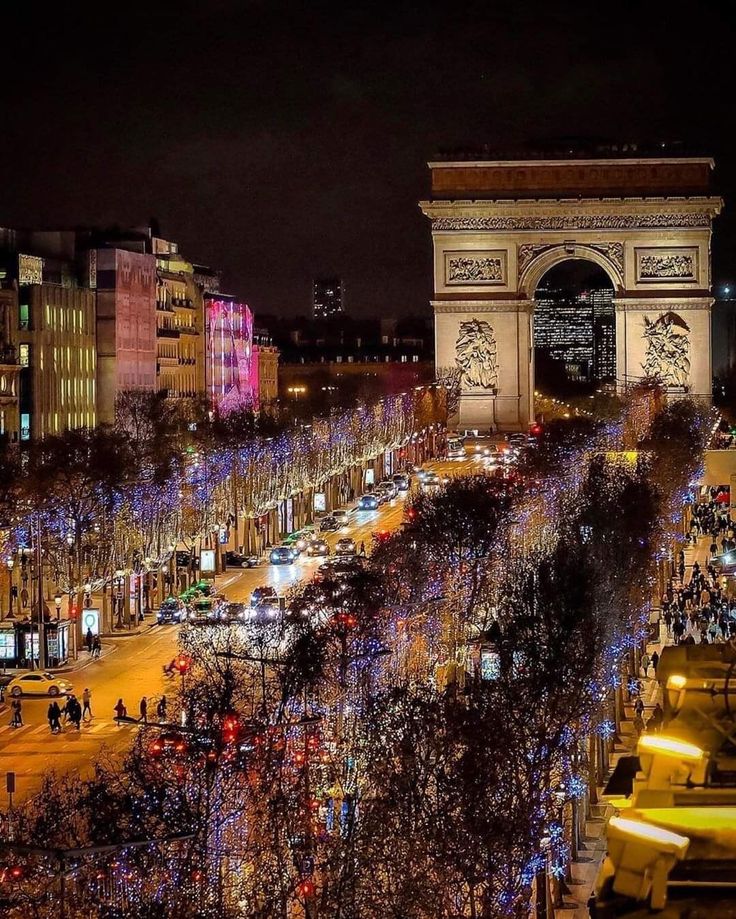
(474, 269)
(667, 356)
(671, 266)
(476, 354)
(574, 222)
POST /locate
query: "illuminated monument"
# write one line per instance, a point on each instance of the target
(499, 225)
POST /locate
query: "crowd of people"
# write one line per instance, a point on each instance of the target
(696, 608)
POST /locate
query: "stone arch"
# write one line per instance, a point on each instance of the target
(554, 255)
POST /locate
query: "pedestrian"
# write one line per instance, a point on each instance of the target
(50, 716)
(120, 710)
(89, 640)
(668, 622)
(96, 647)
(86, 709)
(161, 709)
(655, 662)
(17, 720)
(638, 725)
(144, 711)
(639, 706)
(56, 717)
(76, 713)
(645, 663)
(361, 552)
(654, 724)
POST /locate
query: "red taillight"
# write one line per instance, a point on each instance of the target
(157, 747)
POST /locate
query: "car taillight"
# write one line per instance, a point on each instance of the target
(156, 747)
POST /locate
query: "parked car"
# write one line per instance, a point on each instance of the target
(184, 559)
(345, 546)
(368, 503)
(318, 547)
(238, 560)
(328, 524)
(171, 610)
(38, 684)
(283, 555)
(401, 481)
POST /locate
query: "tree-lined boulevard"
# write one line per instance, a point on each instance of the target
(421, 736)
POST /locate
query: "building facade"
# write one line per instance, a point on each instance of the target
(9, 367)
(230, 366)
(180, 332)
(327, 298)
(266, 361)
(125, 282)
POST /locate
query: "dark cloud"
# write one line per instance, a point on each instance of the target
(279, 140)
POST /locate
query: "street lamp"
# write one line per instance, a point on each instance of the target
(10, 563)
(57, 603)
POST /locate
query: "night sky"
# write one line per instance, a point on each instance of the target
(278, 141)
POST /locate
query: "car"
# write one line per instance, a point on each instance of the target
(169, 743)
(368, 503)
(268, 610)
(339, 567)
(204, 611)
(389, 487)
(283, 555)
(342, 517)
(238, 560)
(318, 547)
(184, 559)
(518, 440)
(260, 594)
(431, 480)
(455, 448)
(345, 546)
(172, 609)
(299, 539)
(401, 481)
(328, 524)
(38, 684)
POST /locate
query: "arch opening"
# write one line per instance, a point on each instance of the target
(574, 330)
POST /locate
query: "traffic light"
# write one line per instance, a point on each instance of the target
(306, 888)
(230, 729)
(182, 663)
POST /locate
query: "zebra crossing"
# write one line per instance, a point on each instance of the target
(96, 726)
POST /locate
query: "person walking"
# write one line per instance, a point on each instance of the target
(655, 662)
(120, 710)
(654, 725)
(51, 717)
(645, 663)
(96, 647)
(639, 706)
(76, 714)
(161, 709)
(56, 717)
(86, 708)
(144, 711)
(639, 725)
(89, 639)
(17, 720)
(361, 552)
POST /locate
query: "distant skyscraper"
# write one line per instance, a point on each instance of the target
(327, 298)
(579, 330)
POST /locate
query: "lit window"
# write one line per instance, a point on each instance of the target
(24, 355)
(25, 426)
(24, 316)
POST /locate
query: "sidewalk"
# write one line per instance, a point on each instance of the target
(585, 868)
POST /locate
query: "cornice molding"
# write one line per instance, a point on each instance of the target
(649, 304)
(482, 306)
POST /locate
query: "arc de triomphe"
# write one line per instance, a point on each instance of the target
(499, 226)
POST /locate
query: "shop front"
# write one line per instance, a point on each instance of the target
(19, 644)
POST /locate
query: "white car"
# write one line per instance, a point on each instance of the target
(38, 684)
(342, 517)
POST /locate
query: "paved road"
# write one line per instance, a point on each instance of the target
(131, 668)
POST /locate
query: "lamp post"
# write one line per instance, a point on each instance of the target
(57, 604)
(10, 563)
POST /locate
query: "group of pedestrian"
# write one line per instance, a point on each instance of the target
(94, 648)
(653, 725)
(122, 712)
(74, 712)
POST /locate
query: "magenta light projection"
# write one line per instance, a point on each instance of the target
(232, 372)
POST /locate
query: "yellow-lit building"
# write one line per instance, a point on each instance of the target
(179, 324)
(266, 354)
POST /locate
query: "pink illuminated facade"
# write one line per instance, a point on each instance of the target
(231, 371)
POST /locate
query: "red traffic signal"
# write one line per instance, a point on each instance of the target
(230, 729)
(306, 888)
(182, 663)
